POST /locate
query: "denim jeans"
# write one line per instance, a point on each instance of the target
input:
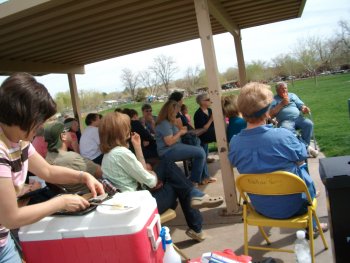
(305, 125)
(177, 186)
(180, 151)
(9, 253)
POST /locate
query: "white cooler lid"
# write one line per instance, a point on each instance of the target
(94, 224)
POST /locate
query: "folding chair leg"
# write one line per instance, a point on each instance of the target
(245, 229)
(311, 236)
(262, 231)
(321, 232)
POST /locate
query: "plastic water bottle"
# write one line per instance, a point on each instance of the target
(302, 249)
(170, 255)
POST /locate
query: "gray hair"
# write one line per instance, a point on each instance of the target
(201, 97)
(281, 83)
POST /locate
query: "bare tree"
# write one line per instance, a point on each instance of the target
(345, 32)
(130, 81)
(150, 81)
(165, 68)
(192, 78)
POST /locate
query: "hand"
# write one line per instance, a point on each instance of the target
(135, 139)
(96, 188)
(305, 109)
(145, 143)
(285, 100)
(72, 203)
(183, 130)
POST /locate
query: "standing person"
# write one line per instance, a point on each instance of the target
(147, 119)
(90, 140)
(181, 118)
(166, 183)
(289, 110)
(25, 105)
(260, 148)
(236, 122)
(203, 118)
(169, 145)
(72, 125)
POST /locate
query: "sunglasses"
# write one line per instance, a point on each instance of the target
(147, 110)
(206, 100)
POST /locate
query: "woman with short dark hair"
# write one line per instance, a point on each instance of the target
(25, 105)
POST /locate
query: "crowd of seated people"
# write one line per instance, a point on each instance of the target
(122, 148)
(129, 171)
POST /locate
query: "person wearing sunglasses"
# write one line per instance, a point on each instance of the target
(203, 118)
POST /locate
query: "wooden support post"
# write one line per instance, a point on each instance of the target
(206, 36)
(240, 59)
(75, 98)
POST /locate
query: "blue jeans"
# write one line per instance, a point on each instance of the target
(177, 186)
(180, 151)
(9, 253)
(305, 125)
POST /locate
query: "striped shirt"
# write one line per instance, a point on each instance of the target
(14, 165)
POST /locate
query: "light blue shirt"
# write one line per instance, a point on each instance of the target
(265, 149)
(290, 111)
(164, 129)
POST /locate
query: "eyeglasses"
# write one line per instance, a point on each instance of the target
(206, 100)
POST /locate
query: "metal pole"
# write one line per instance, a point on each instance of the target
(313, 131)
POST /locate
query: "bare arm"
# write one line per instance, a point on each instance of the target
(210, 121)
(62, 175)
(12, 216)
(172, 139)
(136, 142)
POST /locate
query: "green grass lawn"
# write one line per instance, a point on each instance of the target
(328, 102)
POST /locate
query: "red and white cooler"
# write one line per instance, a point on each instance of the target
(105, 235)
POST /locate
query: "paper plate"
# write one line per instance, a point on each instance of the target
(118, 205)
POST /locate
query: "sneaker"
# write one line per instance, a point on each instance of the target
(312, 152)
(206, 201)
(196, 236)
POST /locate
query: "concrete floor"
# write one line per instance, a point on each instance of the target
(227, 232)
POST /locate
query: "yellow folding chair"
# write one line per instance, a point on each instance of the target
(276, 183)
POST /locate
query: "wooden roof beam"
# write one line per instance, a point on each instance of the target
(39, 68)
(220, 14)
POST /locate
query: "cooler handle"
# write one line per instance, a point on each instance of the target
(155, 242)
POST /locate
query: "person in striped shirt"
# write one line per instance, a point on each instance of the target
(25, 105)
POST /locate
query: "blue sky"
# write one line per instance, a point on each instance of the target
(320, 18)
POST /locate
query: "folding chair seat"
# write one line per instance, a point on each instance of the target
(276, 183)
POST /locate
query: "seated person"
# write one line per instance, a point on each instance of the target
(148, 143)
(90, 141)
(166, 183)
(169, 145)
(181, 119)
(147, 119)
(72, 125)
(203, 118)
(260, 148)
(288, 109)
(184, 112)
(58, 140)
(230, 109)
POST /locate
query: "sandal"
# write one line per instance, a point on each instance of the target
(324, 227)
(206, 201)
(208, 180)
